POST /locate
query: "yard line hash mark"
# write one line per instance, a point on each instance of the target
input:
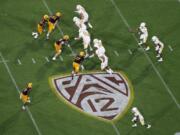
(33, 61)
(19, 62)
(46, 58)
(130, 52)
(116, 53)
(170, 48)
(147, 56)
(18, 90)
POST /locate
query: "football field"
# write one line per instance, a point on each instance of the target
(154, 86)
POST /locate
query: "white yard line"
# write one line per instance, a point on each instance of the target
(59, 28)
(147, 56)
(18, 90)
(33, 61)
(115, 128)
(116, 53)
(2, 61)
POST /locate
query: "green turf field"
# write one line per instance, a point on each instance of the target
(156, 85)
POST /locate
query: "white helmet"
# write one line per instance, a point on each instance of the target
(154, 38)
(75, 19)
(134, 109)
(79, 7)
(143, 24)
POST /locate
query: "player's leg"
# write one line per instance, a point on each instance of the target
(76, 68)
(135, 121)
(57, 51)
(51, 27)
(160, 55)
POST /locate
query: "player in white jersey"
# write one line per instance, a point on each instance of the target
(79, 23)
(143, 33)
(100, 52)
(85, 36)
(159, 46)
(83, 15)
(138, 118)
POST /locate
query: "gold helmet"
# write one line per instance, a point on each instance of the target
(46, 17)
(82, 53)
(29, 85)
(58, 14)
(66, 37)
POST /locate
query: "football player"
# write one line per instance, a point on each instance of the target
(41, 26)
(159, 46)
(79, 23)
(53, 20)
(83, 15)
(58, 46)
(77, 63)
(24, 95)
(100, 52)
(138, 118)
(85, 36)
(143, 33)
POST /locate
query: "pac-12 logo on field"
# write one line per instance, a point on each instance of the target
(102, 95)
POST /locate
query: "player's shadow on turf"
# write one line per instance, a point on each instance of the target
(144, 73)
(9, 122)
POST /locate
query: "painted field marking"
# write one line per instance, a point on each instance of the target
(177, 133)
(18, 90)
(2, 61)
(115, 128)
(33, 61)
(19, 62)
(47, 59)
(170, 48)
(130, 52)
(116, 53)
(147, 56)
(59, 28)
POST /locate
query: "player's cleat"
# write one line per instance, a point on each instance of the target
(90, 26)
(149, 126)
(109, 71)
(134, 125)
(147, 48)
(157, 56)
(35, 35)
(54, 58)
(160, 60)
(23, 108)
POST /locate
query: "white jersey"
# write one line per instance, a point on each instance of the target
(100, 52)
(80, 25)
(84, 34)
(84, 15)
(138, 116)
(143, 31)
(158, 44)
